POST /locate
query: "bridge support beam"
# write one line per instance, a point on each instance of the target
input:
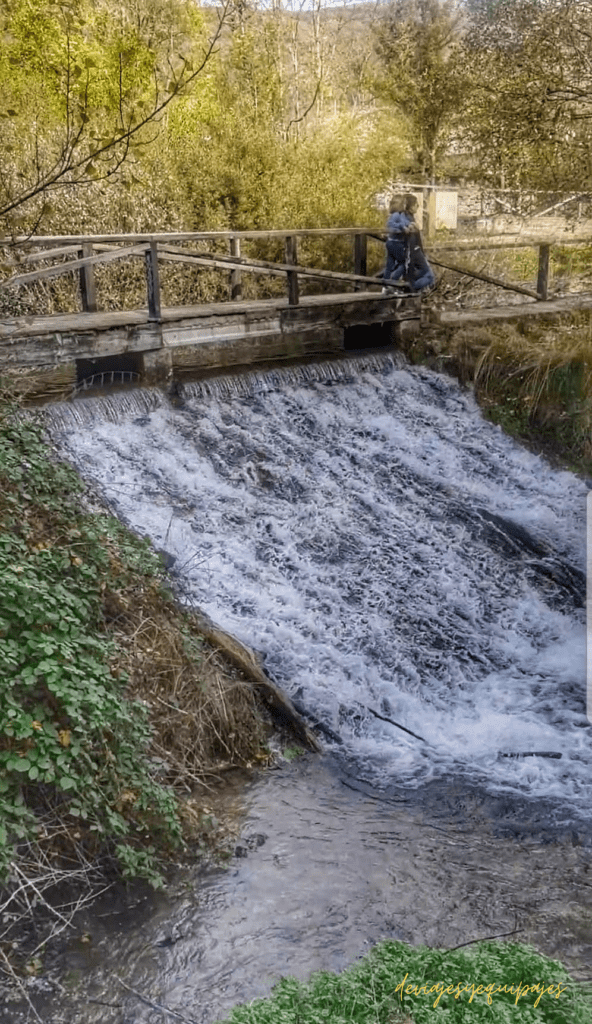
(157, 366)
(291, 257)
(153, 283)
(236, 278)
(360, 258)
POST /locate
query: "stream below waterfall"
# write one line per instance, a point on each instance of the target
(415, 580)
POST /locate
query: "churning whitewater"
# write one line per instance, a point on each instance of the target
(392, 556)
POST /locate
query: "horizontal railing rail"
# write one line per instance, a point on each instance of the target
(451, 243)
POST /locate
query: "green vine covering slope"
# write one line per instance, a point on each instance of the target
(90, 640)
(71, 744)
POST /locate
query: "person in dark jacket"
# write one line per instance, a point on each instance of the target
(418, 273)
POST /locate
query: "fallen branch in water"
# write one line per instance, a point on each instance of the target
(534, 753)
(19, 984)
(383, 718)
(155, 1006)
(279, 704)
(486, 938)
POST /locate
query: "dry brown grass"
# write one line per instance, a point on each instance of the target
(203, 709)
(533, 377)
(551, 363)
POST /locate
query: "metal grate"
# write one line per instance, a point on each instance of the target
(105, 379)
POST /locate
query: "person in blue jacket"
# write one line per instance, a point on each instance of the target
(398, 226)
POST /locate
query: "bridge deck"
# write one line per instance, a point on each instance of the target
(77, 323)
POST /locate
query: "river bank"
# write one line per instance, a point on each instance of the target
(256, 473)
(117, 706)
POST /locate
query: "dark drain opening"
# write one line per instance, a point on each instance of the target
(107, 372)
(362, 336)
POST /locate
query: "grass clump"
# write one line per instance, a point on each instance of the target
(396, 983)
(532, 378)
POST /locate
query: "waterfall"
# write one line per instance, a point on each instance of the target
(412, 577)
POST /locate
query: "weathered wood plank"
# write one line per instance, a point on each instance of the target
(543, 272)
(57, 323)
(479, 243)
(48, 254)
(360, 256)
(153, 281)
(291, 250)
(472, 243)
(564, 305)
(88, 289)
(249, 329)
(221, 262)
(63, 323)
(36, 350)
(66, 250)
(21, 327)
(348, 315)
(180, 236)
(67, 268)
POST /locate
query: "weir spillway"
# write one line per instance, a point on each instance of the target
(392, 556)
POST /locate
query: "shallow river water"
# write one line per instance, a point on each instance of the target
(322, 873)
(397, 562)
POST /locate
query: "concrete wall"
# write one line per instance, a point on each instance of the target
(213, 338)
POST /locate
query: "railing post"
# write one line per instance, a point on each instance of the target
(88, 290)
(153, 281)
(236, 287)
(543, 274)
(292, 258)
(360, 259)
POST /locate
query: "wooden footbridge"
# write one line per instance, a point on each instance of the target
(315, 312)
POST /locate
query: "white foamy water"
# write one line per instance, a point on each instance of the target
(389, 553)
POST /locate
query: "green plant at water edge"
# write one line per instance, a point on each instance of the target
(395, 982)
(72, 746)
(291, 753)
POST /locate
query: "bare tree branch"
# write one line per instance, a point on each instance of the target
(70, 160)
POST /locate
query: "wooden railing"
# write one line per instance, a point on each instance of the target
(508, 242)
(89, 251)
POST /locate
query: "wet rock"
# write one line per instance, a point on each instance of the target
(166, 558)
(249, 843)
